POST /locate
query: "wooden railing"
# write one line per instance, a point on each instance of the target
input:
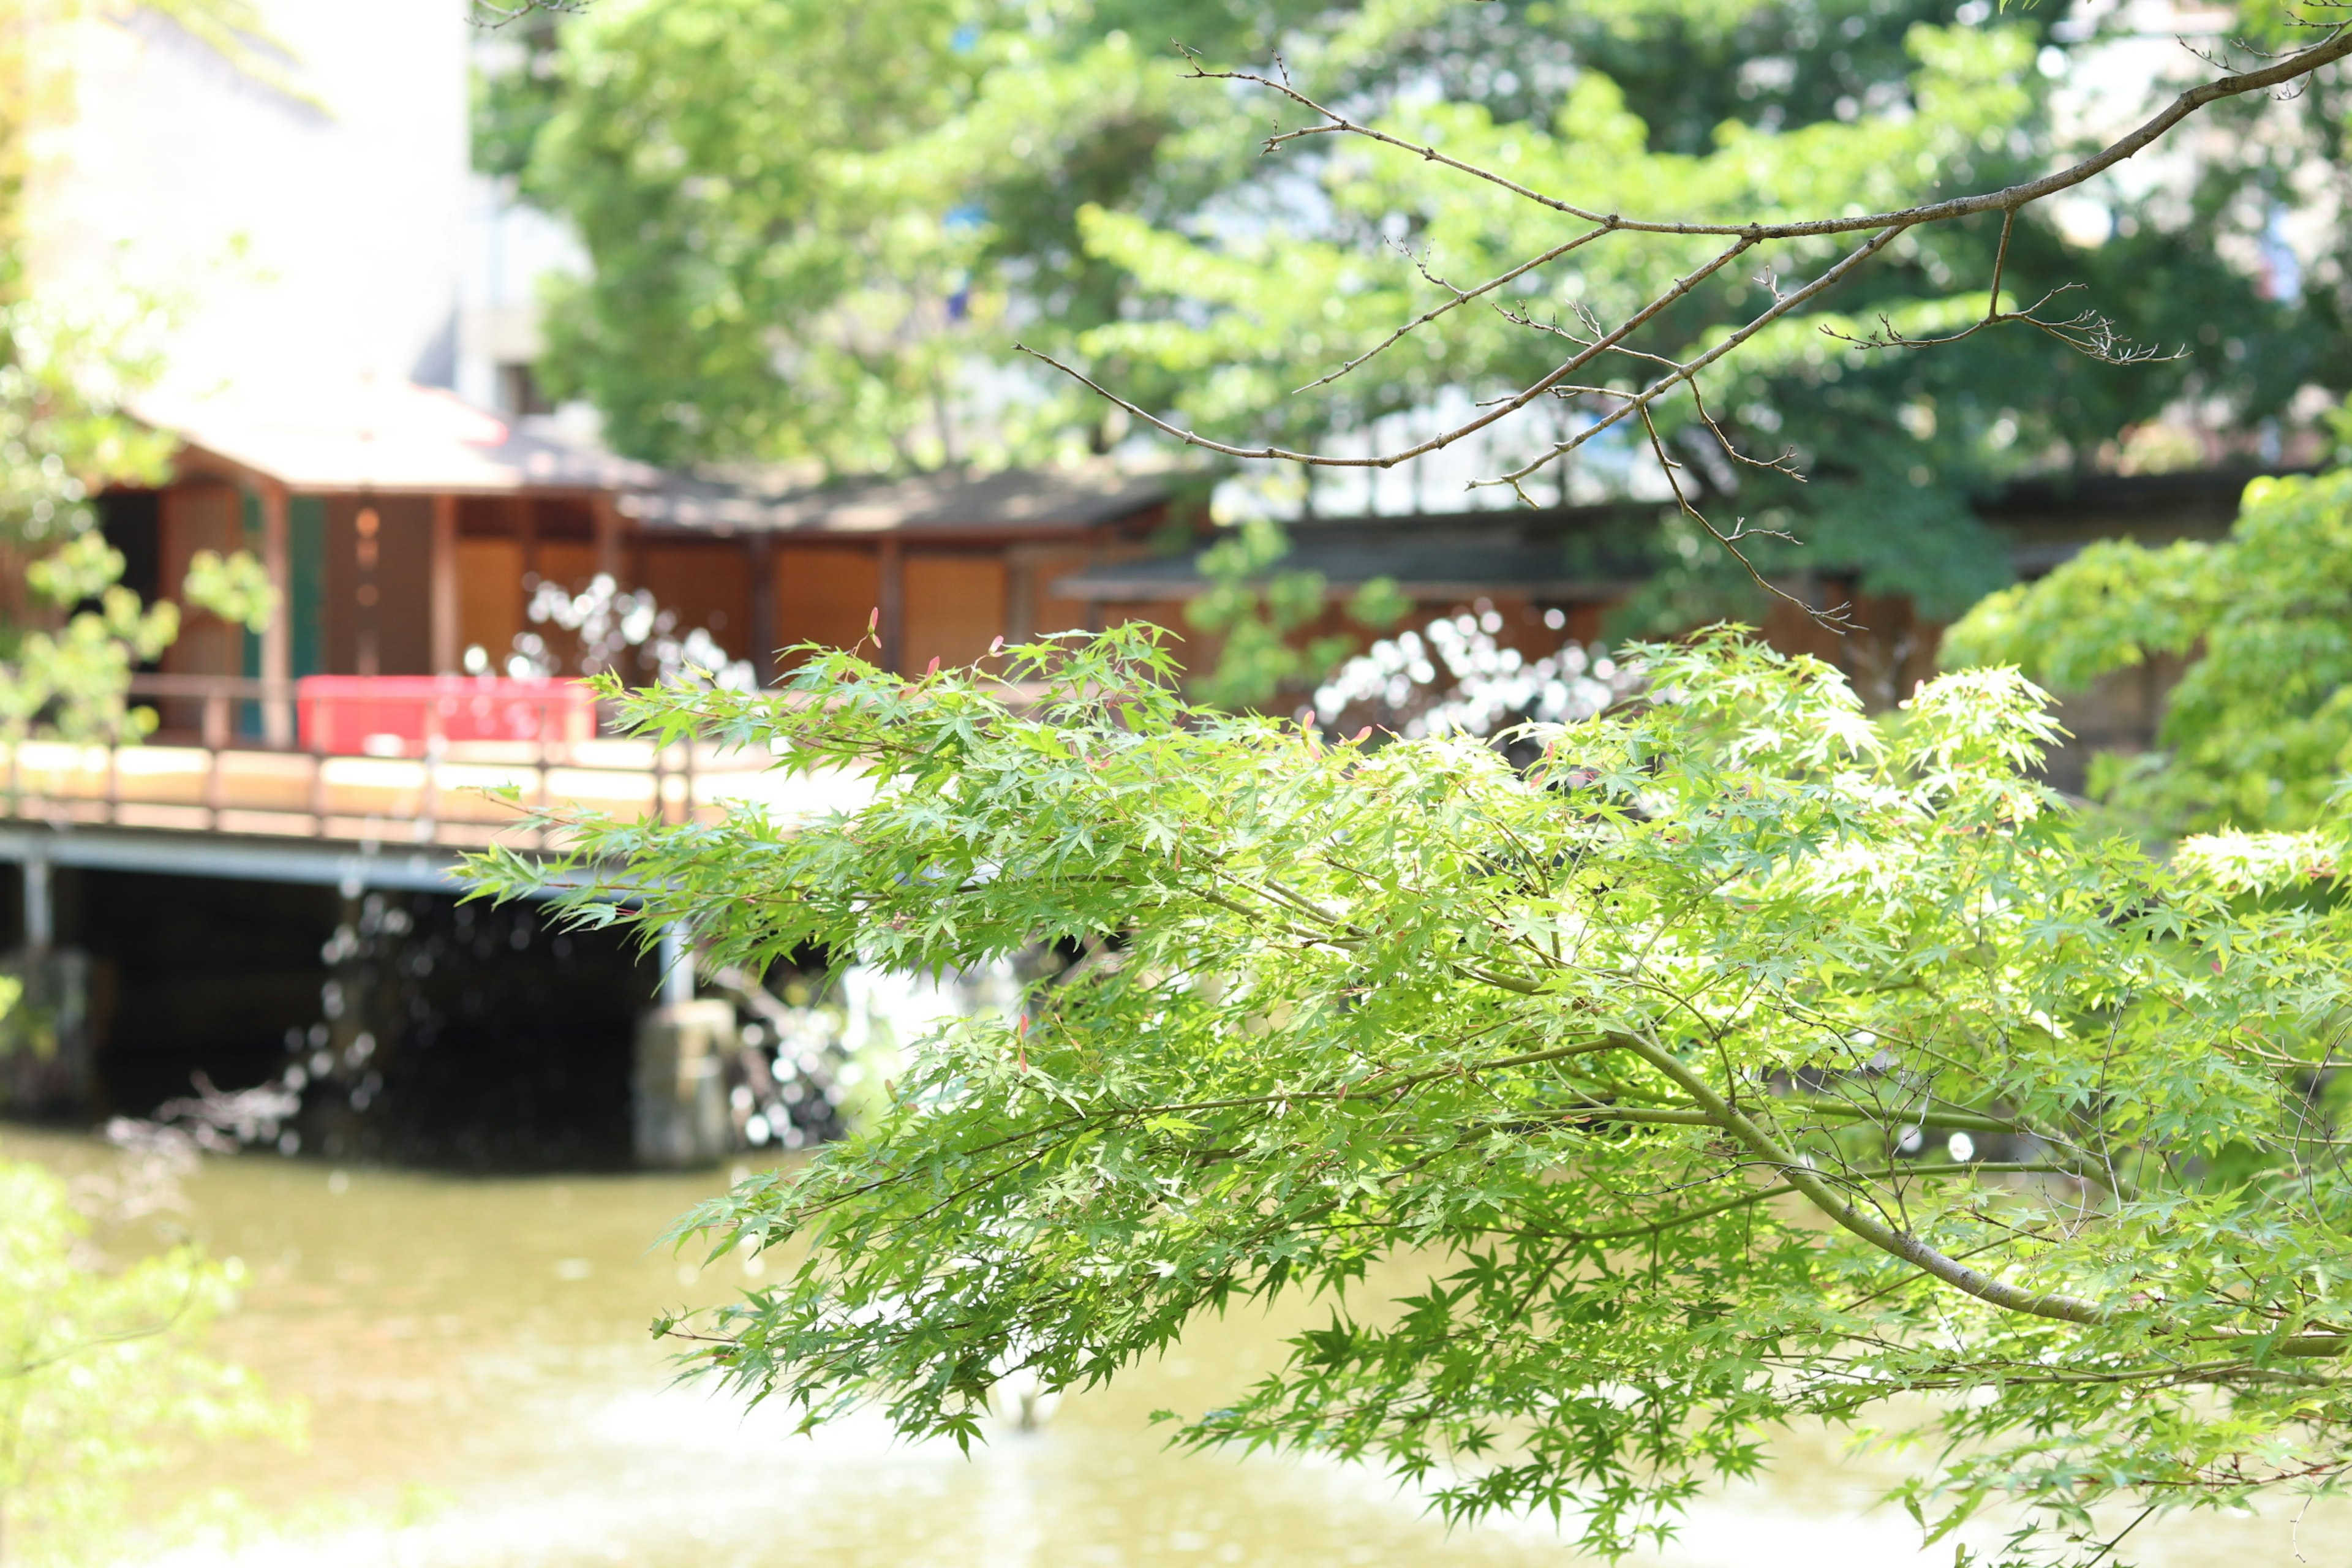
(198, 774)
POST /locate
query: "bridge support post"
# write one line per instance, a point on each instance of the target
(46, 1047)
(40, 911)
(678, 1110)
(676, 961)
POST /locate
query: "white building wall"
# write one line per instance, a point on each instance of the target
(509, 249)
(292, 241)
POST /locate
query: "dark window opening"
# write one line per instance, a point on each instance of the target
(519, 392)
(131, 521)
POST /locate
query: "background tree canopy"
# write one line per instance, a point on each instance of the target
(2258, 732)
(815, 231)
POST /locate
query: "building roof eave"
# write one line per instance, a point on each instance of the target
(1114, 587)
(933, 509)
(386, 439)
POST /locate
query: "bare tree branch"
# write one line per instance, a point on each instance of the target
(1687, 372)
(1461, 297)
(1501, 410)
(2289, 68)
(2088, 332)
(1672, 467)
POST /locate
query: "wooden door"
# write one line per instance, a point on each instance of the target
(827, 595)
(955, 608)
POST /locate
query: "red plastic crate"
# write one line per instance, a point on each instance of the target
(400, 715)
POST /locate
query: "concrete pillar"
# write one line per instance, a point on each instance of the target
(678, 1104)
(40, 908)
(45, 1049)
(676, 961)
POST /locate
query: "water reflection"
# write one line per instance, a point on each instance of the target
(483, 1394)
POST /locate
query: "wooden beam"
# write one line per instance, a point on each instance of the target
(763, 562)
(278, 637)
(526, 528)
(1020, 594)
(446, 654)
(892, 632)
(607, 515)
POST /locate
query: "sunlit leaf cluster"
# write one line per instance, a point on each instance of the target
(1740, 1061)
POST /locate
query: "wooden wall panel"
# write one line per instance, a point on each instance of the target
(404, 572)
(825, 594)
(571, 564)
(707, 583)
(488, 517)
(955, 608)
(570, 561)
(1048, 610)
(489, 597)
(569, 518)
(397, 627)
(195, 517)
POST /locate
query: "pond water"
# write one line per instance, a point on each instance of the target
(483, 1394)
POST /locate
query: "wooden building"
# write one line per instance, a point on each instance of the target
(404, 528)
(369, 506)
(1575, 560)
(1555, 573)
(942, 565)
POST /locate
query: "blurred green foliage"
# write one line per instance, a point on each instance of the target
(236, 587)
(103, 1376)
(70, 634)
(1257, 608)
(2258, 732)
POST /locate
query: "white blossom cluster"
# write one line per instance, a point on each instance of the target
(610, 623)
(1454, 675)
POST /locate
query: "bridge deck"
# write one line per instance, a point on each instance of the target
(468, 795)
